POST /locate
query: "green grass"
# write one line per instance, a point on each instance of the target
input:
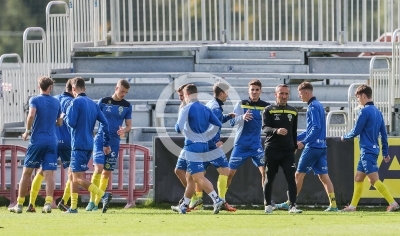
(151, 221)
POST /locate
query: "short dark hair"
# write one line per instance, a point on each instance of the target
(45, 82)
(180, 89)
(78, 82)
(68, 85)
(255, 82)
(124, 83)
(281, 86)
(305, 86)
(364, 89)
(219, 88)
(190, 88)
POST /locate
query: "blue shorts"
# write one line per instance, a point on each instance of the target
(41, 155)
(313, 159)
(65, 156)
(220, 162)
(368, 163)
(80, 160)
(181, 164)
(195, 167)
(239, 156)
(108, 161)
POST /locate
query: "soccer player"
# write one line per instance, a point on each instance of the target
(64, 142)
(369, 125)
(313, 140)
(247, 142)
(42, 149)
(181, 165)
(194, 121)
(221, 93)
(81, 117)
(63, 151)
(280, 127)
(116, 110)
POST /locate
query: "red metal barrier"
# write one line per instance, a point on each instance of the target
(12, 192)
(129, 192)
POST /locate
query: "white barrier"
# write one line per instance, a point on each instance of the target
(58, 36)
(35, 61)
(12, 100)
(336, 130)
(381, 82)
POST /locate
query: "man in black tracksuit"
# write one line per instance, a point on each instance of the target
(279, 123)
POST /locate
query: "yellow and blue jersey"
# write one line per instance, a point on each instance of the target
(215, 106)
(81, 117)
(115, 112)
(248, 134)
(47, 110)
(315, 134)
(369, 125)
(63, 133)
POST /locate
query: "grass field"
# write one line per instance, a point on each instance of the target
(151, 221)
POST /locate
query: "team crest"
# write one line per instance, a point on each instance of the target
(289, 116)
(108, 106)
(120, 110)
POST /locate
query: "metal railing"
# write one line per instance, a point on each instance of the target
(395, 91)
(352, 105)
(336, 129)
(34, 59)
(233, 21)
(380, 82)
(58, 36)
(13, 99)
(88, 22)
(166, 21)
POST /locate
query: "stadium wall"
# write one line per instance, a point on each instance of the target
(246, 188)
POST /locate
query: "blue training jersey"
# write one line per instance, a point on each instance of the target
(315, 134)
(115, 112)
(81, 117)
(216, 107)
(63, 133)
(369, 125)
(194, 121)
(43, 127)
(248, 134)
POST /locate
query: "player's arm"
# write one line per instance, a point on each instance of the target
(128, 122)
(315, 128)
(384, 138)
(238, 110)
(60, 116)
(71, 117)
(29, 121)
(358, 127)
(104, 126)
(182, 117)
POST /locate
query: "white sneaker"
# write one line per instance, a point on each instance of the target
(217, 206)
(393, 207)
(294, 210)
(268, 209)
(46, 208)
(16, 209)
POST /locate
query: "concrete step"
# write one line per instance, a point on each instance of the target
(133, 64)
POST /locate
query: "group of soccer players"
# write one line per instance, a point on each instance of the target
(75, 115)
(202, 145)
